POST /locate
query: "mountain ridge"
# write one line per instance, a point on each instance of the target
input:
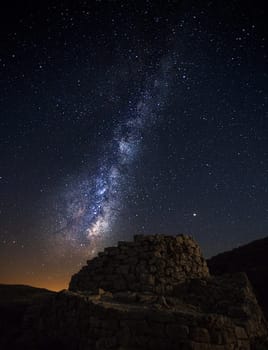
(251, 258)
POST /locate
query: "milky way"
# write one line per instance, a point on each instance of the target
(118, 119)
(93, 204)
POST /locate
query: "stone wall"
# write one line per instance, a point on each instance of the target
(76, 321)
(151, 294)
(150, 263)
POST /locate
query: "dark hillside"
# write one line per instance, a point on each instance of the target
(14, 302)
(251, 258)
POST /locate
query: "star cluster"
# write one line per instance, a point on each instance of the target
(93, 204)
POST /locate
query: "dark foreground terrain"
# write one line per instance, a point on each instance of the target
(252, 259)
(15, 303)
(153, 293)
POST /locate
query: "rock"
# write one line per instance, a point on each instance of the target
(200, 335)
(240, 333)
(148, 259)
(176, 305)
(177, 331)
(252, 259)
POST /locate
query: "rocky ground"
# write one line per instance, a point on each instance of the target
(251, 258)
(198, 311)
(15, 301)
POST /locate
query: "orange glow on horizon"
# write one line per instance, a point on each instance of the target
(55, 286)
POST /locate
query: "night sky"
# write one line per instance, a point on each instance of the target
(125, 117)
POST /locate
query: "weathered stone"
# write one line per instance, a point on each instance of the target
(123, 269)
(177, 331)
(199, 346)
(118, 301)
(241, 333)
(148, 258)
(216, 337)
(200, 335)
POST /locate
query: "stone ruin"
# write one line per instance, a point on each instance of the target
(153, 293)
(148, 264)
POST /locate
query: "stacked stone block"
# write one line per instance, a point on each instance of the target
(152, 293)
(73, 321)
(148, 264)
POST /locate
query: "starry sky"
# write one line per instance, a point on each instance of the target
(125, 117)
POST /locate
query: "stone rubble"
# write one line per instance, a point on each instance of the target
(153, 293)
(149, 264)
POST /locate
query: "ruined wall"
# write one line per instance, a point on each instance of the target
(111, 308)
(76, 322)
(150, 263)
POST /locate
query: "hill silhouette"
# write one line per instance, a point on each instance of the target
(15, 300)
(154, 292)
(252, 259)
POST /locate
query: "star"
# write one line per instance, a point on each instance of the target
(94, 204)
